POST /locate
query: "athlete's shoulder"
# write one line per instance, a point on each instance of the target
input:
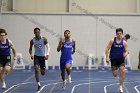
(31, 41)
(112, 40)
(10, 42)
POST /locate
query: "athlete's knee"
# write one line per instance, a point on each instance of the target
(7, 69)
(68, 66)
(122, 72)
(36, 69)
(115, 73)
(122, 69)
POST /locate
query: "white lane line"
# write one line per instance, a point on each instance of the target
(125, 89)
(23, 84)
(105, 90)
(52, 88)
(18, 85)
(48, 85)
(137, 88)
(72, 81)
(54, 85)
(72, 91)
(84, 79)
(15, 85)
(105, 87)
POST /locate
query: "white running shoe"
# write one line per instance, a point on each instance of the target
(39, 86)
(3, 85)
(69, 78)
(121, 90)
(64, 84)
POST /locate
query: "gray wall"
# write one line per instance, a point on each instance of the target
(91, 34)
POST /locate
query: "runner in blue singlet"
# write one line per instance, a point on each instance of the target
(67, 48)
(118, 51)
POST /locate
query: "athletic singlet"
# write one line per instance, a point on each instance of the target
(66, 50)
(117, 50)
(5, 48)
(39, 46)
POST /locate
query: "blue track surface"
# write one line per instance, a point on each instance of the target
(83, 81)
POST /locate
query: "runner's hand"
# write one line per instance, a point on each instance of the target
(46, 57)
(14, 58)
(107, 61)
